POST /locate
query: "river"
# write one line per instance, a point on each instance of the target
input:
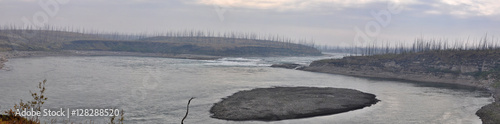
(156, 90)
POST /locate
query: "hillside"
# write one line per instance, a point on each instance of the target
(472, 67)
(25, 40)
(478, 68)
(45, 40)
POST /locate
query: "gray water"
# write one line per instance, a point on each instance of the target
(156, 90)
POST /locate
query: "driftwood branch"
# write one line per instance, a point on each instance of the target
(187, 110)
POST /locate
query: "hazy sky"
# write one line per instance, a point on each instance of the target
(333, 22)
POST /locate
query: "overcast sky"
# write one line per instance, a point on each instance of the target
(332, 22)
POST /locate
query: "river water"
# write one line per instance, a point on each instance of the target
(156, 90)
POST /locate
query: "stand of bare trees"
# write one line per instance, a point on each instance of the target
(50, 33)
(419, 45)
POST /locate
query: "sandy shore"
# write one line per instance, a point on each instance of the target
(279, 103)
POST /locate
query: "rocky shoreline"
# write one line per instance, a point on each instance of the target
(370, 72)
(289, 66)
(279, 103)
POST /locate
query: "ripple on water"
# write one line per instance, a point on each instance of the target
(156, 90)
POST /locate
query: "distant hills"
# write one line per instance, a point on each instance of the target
(201, 44)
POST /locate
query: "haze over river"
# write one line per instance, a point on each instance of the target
(156, 90)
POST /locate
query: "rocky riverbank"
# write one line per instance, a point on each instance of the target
(270, 104)
(476, 68)
(289, 66)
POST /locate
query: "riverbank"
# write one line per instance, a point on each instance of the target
(4, 56)
(279, 103)
(476, 68)
(489, 114)
(3, 59)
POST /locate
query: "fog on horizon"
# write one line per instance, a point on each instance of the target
(331, 22)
